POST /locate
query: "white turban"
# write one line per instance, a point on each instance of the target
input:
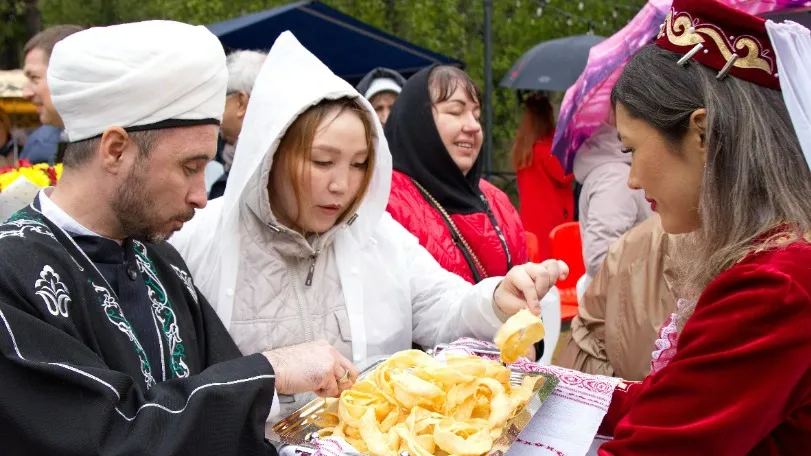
(139, 76)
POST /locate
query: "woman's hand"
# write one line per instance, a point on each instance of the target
(524, 286)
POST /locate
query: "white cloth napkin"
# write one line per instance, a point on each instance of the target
(328, 446)
(567, 423)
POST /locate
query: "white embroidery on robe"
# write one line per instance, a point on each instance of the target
(186, 278)
(23, 224)
(55, 294)
(162, 308)
(116, 316)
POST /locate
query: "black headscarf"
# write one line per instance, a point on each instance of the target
(417, 150)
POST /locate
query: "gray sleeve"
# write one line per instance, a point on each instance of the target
(612, 210)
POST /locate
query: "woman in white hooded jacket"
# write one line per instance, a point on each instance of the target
(285, 264)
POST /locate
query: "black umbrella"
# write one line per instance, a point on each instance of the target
(552, 65)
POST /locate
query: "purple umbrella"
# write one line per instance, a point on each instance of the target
(587, 103)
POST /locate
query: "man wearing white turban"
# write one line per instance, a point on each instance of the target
(106, 345)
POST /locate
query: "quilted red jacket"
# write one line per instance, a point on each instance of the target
(415, 213)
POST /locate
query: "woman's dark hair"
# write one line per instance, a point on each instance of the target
(756, 181)
(445, 79)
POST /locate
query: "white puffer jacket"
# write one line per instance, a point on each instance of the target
(374, 289)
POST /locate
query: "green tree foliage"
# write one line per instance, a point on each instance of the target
(20, 19)
(11, 13)
(451, 27)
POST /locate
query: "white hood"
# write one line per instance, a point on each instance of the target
(291, 80)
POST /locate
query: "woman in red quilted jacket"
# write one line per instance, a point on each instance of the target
(437, 193)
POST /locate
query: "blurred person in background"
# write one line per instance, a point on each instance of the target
(608, 208)
(43, 143)
(546, 196)
(381, 87)
(243, 68)
(6, 140)
(620, 314)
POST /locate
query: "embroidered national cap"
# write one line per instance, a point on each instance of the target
(722, 38)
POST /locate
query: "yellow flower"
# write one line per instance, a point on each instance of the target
(7, 178)
(37, 176)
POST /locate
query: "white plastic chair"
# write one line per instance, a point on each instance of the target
(582, 285)
(550, 314)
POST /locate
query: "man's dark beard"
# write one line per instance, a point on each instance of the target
(134, 207)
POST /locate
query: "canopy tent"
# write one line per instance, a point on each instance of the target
(349, 47)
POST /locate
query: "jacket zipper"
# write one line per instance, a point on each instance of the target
(302, 310)
(500, 235)
(308, 282)
(296, 282)
(311, 270)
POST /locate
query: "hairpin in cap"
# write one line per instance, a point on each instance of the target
(722, 38)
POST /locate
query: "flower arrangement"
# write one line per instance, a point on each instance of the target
(42, 174)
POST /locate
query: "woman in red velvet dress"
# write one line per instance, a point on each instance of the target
(717, 155)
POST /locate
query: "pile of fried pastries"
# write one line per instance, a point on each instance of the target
(415, 403)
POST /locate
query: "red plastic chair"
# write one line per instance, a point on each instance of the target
(566, 245)
(533, 248)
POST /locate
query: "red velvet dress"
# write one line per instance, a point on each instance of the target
(740, 380)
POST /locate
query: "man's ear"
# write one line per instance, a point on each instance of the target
(114, 143)
(242, 102)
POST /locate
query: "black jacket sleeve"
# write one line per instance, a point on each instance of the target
(58, 397)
